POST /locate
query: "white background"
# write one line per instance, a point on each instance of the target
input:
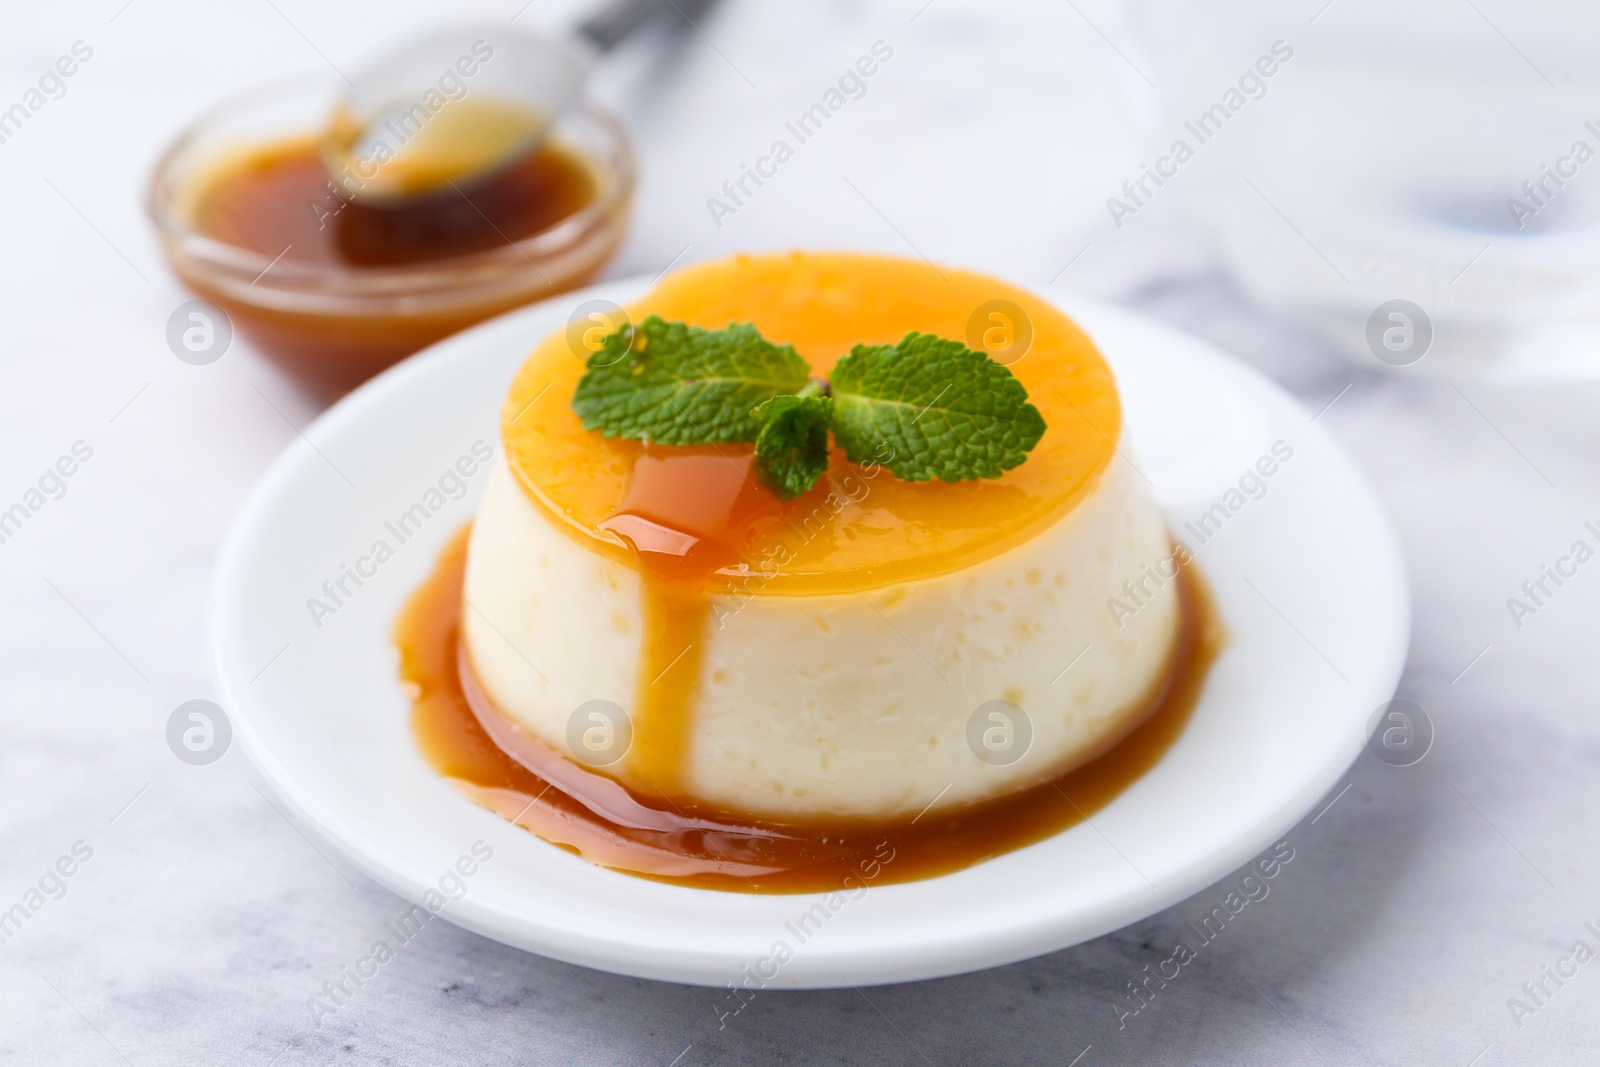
(1413, 909)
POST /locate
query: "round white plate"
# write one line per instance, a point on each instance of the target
(1305, 568)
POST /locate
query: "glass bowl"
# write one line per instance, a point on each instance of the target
(332, 326)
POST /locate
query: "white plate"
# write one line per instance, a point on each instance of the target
(1308, 579)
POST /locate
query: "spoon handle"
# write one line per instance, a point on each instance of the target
(613, 23)
(608, 27)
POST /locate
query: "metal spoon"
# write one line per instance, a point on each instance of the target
(459, 103)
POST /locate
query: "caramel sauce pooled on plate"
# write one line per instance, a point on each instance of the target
(675, 839)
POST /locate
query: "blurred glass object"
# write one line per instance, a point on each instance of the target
(1418, 182)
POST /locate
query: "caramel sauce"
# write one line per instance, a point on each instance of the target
(675, 839)
(279, 199)
(686, 513)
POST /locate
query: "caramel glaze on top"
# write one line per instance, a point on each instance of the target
(824, 304)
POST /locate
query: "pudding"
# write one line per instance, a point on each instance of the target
(874, 649)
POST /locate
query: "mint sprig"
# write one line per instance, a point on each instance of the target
(927, 407)
(680, 385)
(943, 410)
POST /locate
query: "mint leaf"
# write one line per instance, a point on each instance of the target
(792, 447)
(935, 407)
(680, 385)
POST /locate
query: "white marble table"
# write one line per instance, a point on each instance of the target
(202, 920)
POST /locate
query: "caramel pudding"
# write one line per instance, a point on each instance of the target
(824, 656)
(664, 660)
